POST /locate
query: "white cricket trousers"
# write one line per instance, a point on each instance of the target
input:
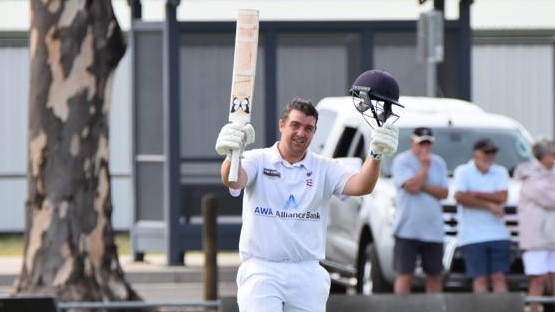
(264, 286)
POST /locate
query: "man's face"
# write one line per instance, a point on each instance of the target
(485, 158)
(549, 159)
(422, 148)
(296, 133)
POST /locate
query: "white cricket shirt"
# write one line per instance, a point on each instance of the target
(285, 206)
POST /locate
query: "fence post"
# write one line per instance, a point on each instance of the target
(210, 246)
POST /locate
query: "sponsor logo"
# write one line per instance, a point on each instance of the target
(291, 203)
(271, 173)
(298, 215)
(286, 215)
(288, 212)
(263, 211)
(240, 106)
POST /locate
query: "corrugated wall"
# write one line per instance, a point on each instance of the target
(513, 77)
(14, 86)
(14, 90)
(516, 78)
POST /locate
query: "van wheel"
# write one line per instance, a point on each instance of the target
(337, 288)
(370, 278)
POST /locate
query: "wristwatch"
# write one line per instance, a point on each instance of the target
(375, 156)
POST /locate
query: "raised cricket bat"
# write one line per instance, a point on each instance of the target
(244, 70)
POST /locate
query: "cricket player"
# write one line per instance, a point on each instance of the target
(286, 203)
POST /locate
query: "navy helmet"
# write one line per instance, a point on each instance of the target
(378, 84)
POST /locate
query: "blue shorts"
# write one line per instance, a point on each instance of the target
(483, 259)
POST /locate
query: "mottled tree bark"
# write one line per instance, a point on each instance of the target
(75, 46)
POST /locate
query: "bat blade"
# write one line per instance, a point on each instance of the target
(244, 73)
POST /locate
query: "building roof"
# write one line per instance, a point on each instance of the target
(485, 14)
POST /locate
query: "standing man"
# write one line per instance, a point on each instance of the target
(286, 203)
(481, 190)
(421, 179)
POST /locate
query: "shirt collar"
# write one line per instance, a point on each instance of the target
(307, 161)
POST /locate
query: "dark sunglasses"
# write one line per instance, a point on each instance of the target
(490, 152)
(425, 143)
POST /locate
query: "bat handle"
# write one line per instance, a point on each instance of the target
(234, 169)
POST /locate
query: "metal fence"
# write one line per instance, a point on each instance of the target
(454, 302)
(216, 305)
(189, 305)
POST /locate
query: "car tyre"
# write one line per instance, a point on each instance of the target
(337, 288)
(370, 278)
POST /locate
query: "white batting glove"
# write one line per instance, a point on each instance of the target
(384, 141)
(248, 129)
(234, 137)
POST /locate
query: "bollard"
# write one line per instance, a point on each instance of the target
(210, 247)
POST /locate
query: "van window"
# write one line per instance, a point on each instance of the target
(345, 142)
(326, 119)
(455, 146)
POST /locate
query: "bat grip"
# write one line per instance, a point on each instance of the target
(234, 168)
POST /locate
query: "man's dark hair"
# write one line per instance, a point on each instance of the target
(305, 106)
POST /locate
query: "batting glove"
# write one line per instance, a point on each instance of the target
(234, 137)
(384, 141)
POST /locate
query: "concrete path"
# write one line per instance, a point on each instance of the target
(152, 278)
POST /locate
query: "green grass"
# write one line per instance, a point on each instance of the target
(12, 244)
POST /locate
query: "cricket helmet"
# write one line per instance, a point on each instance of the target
(379, 85)
(375, 90)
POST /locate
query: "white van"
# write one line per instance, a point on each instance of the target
(359, 244)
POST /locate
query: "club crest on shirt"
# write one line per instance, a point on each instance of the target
(309, 181)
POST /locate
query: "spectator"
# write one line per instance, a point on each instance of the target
(481, 190)
(536, 219)
(421, 179)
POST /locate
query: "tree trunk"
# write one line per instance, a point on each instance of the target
(75, 46)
